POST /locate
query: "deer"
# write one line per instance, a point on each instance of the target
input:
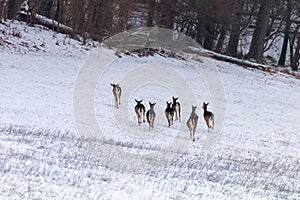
(169, 112)
(140, 111)
(176, 108)
(192, 122)
(208, 117)
(117, 91)
(151, 115)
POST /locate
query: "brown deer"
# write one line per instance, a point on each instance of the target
(140, 111)
(117, 91)
(176, 108)
(169, 112)
(208, 117)
(151, 115)
(192, 122)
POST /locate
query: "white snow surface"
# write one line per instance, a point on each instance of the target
(42, 156)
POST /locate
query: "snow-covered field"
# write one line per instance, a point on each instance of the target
(43, 156)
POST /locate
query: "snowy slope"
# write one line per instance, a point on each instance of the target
(42, 156)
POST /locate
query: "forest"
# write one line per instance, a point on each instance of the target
(218, 25)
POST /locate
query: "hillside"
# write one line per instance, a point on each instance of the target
(252, 154)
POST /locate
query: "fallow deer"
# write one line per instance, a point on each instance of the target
(140, 111)
(193, 122)
(117, 91)
(208, 117)
(169, 112)
(151, 115)
(176, 108)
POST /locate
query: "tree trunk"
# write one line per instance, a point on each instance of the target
(199, 29)
(58, 11)
(12, 9)
(46, 8)
(221, 38)
(258, 39)
(167, 14)
(2, 10)
(78, 17)
(205, 29)
(282, 58)
(123, 16)
(209, 34)
(233, 43)
(151, 11)
(295, 57)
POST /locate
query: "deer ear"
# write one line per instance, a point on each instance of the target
(112, 84)
(136, 100)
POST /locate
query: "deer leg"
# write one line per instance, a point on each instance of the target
(207, 123)
(139, 119)
(143, 113)
(115, 101)
(194, 131)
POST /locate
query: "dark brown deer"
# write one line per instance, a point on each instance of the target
(140, 111)
(176, 108)
(151, 115)
(208, 117)
(192, 122)
(169, 112)
(117, 91)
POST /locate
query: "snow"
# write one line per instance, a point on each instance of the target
(43, 155)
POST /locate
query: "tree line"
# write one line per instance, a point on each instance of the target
(218, 25)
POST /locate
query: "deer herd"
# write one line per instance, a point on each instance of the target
(173, 110)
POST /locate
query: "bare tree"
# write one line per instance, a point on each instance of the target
(151, 13)
(295, 48)
(287, 18)
(2, 10)
(46, 8)
(167, 13)
(123, 15)
(78, 8)
(12, 8)
(258, 39)
(235, 31)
